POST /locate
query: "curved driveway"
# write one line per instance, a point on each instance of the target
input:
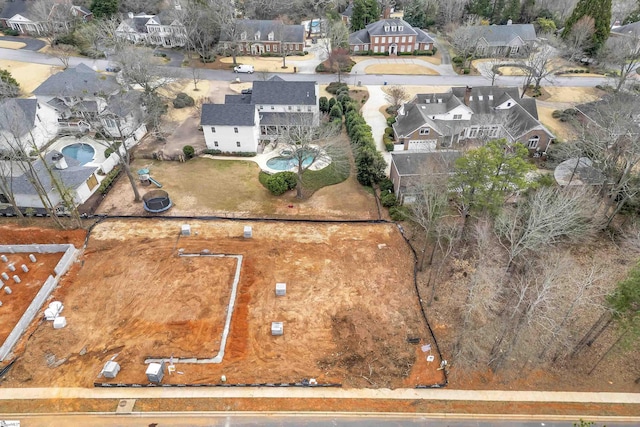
(31, 44)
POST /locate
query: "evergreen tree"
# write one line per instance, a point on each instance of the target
(364, 13)
(104, 8)
(600, 11)
(528, 11)
(512, 11)
(415, 13)
(482, 8)
(496, 13)
(9, 87)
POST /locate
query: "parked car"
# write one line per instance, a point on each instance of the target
(243, 69)
(112, 69)
(246, 91)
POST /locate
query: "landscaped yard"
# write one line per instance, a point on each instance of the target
(396, 68)
(205, 186)
(28, 75)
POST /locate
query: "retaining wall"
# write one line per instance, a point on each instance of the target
(70, 255)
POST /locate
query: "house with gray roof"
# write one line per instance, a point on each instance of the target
(79, 95)
(255, 37)
(163, 29)
(512, 40)
(469, 115)
(409, 168)
(392, 36)
(26, 124)
(18, 15)
(246, 120)
(68, 173)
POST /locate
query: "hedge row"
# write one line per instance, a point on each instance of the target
(370, 164)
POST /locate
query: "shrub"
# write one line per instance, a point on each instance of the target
(105, 185)
(69, 39)
(386, 185)
(388, 144)
(213, 152)
(110, 150)
(183, 100)
(426, 53)
(391, 120)
(392, 110)
(281, 182)
(323, 104)
(466, 71)
(334, 87)
(565, 115)
(321, 68)
(388, 200)
(388, 131)
(457, 60)
(332, 102)
(336, 111)
(10, 32)
(188, 151)
(398, 213)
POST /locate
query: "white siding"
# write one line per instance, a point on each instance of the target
(227, 138)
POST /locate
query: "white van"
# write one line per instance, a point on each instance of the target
(243, 69)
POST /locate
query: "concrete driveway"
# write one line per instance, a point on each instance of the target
(374, 118)
(31, 44)
(443, 70)
(174, 56)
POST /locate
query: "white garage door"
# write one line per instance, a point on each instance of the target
(422, 145)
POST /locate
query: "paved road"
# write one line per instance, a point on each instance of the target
(453, 80)
(31, 44)
(272, 420)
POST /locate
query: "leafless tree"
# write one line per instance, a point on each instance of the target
(196, 76)
(55, 18)
(492, 70)
(450, 11)
(620, 9)
(623, 53)
(580, 38)
(63, 53)
(140, 69)
(338, 60)
(232, 32)
(465, 40)
(539, 66)
(545, 218)
(336, 35)
(9, 169)
(202, 24)
(396, 96)
(311, 145)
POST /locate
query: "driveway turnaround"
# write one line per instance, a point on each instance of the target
(30, 44)
(443, 70)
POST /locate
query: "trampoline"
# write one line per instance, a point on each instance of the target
(156, 201)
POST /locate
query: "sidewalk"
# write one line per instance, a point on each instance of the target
(316, 393)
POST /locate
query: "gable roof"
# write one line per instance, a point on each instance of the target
(282, 32)
(502, 35)
(18, 115)
(629, 29)
(228, 115)
(237, 99)
(280, 92)
(80, 81)
(420, 163)
(72, 177)
(378, 28)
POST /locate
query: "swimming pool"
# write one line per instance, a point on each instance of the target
(84, 153)
(286, 163)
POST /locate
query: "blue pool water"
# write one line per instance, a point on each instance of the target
(81, 152)
(286, 163)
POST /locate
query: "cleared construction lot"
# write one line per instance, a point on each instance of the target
(349, 311)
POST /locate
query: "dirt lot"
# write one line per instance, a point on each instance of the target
(335, 330)
(22, 293)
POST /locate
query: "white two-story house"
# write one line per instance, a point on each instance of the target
(273, 105)
(159, 30)
(26, 124)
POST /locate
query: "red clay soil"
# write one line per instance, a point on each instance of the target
(131, 295)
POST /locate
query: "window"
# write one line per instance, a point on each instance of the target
(356, 48)
(273, 108)
(457, 117)
(473, 132)
(402, 48)
(238, 144)
(400, 28)
(243, 36)
(424, 131)
(514, 49)
(375, 49)
(275, 48)
(480, 97)
(383, 40)
(375, 39)
(268, 48)
(494, 130)
(235, 130)
(533, 141)
(213, 129)
(490, 97)
(298, 108)
(289, 107)
(508, 104)
(215, 143)
(309, 108)
(404, 39)
(261, 107)
(393, 28)
(257, 36)
(397, 39)
(270, 36)
(386, 28)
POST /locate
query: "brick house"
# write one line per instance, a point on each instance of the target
(255, 37)
(470, 115)
(389, 35)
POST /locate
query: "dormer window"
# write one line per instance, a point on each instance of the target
(490, 97)
(271, 36)
(243, 36)
(257, 36)
(393, 28)
(424, 131)
(386, 28)
(480, 97)
(400, 28)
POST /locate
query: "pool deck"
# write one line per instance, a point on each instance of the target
(98, 157)
(269, 153)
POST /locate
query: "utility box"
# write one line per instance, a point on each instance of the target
(155, 372)
(248, 232)
(110, 369)
(281, 289)
(185, 230)
(59, 322)
(277, 328)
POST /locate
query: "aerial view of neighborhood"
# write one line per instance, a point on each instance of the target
(319, 212)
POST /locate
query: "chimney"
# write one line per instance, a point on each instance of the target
(130, 15)
(386, 12)
(467, 95)
(59, 161)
